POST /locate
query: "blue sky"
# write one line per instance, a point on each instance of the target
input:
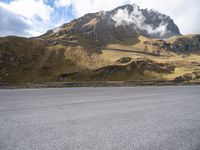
(35, 17)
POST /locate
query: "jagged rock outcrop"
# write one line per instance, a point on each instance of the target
(124, 60)
(134, 69)
(184, 43)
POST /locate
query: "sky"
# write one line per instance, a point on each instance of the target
(34, 17)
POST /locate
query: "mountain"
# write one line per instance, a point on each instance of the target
(116, 25)
(124, 44)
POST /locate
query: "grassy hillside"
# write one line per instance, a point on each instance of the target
(140, 58)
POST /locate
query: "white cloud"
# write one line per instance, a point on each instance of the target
(184, 13)
(123, 17)
(29, 8)
(12, 24)
(35, 13)
(88, 6)
(62, 3)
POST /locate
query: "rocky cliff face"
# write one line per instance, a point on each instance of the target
(184, 43)
(116, 25)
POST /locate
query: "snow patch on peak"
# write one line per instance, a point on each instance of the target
(125, 17)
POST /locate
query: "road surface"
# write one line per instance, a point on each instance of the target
(110, 118)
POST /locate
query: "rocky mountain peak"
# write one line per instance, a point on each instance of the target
(144, 21)
(120, 23)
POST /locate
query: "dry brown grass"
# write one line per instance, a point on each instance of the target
(41, 63)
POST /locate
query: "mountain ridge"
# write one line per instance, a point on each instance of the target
(116, 25)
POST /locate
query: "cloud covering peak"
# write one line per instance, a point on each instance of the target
(139, 20)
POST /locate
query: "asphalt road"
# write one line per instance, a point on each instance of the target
(115, 118)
